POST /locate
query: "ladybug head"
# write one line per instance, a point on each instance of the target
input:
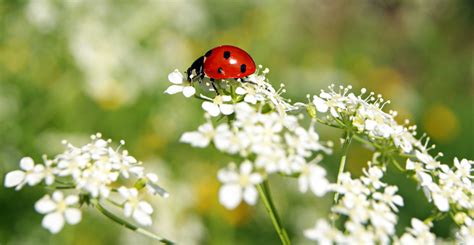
(196, 69)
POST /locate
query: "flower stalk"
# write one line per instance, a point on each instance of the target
(265, 195)
(342, 163)
(128, 225)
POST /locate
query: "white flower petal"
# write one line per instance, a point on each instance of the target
(250, 195)
(71, 200)
(230, 195)
(58, 196)
(27, 163)
(320, 104)
(333, 112)
(240, 91)
(211, 108)
(398, 200)
(195, 139)
(370, 124)
(45, 205)
(410, 165)
(303, 183)
(152, 177)
(226, 98)
(226, 176)
(124, 191)
(441, 202)
(175, 77)
(227, 109)
(142, 217)
(250, 99)
(255, 178)
(319, 185)
(189, 91)
(173, 89)
(14, 178)
(127, 209)
(246, 168)
(73, 215)
(54, 222)
(425, 178)
(145, 207)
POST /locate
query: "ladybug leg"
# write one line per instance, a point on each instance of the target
(214, 86)
(201, 75)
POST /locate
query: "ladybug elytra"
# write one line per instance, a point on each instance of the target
(222, 62)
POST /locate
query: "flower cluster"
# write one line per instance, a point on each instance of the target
(369, 205)
(93, 172)
(259, 131)
(365, 116)
(419, 233)
(448, 188)
(264, 129)
(442, 184)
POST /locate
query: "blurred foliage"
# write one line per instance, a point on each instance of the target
(72, 68)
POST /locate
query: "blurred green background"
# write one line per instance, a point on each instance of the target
(71, 68)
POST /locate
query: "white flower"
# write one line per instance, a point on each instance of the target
(153, 187)
(372, 177)
(389, 197)
(178, 86)
(324, 233)
(382, 219)
(218, 106)
(58, 210)
(72, 162)
(465, 235)
(126, 164)
(133, 206)
(418, 234)
(421, 173)
(272, 162)
(440, 197)
(30, 174)
(230, 141)
(371, 216)
(314, 177)
(97, 178)
(429, 161)
(329, 101)
(463, 170)
(95, 166)
(200, 138)
(251, 93)
(237, 186)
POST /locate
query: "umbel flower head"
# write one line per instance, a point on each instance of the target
(249, 119)
(258, 130)
(90, 174)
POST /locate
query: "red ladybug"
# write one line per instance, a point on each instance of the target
(222, 62)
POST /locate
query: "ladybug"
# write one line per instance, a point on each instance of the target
(222, 62)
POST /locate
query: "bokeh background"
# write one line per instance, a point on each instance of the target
(72, 68)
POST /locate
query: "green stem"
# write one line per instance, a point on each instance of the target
(128, 225)
(407, 155)
(396, 164)
(264, 192)
(328, 124)
(342, 164)
(365, 141)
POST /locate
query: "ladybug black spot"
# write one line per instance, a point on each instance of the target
(226, 54)
(243, 68)
(220, 70)
(208, 53)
